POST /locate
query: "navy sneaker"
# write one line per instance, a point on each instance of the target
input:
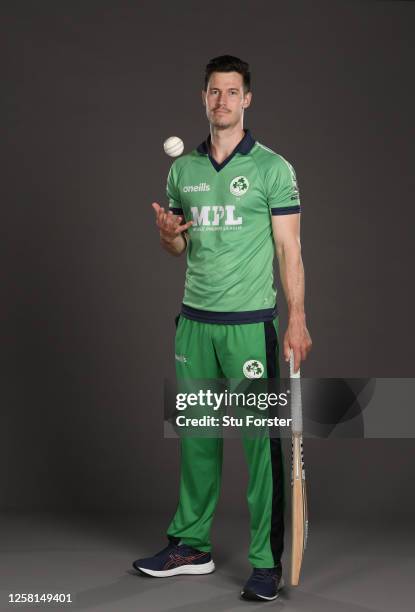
(176, 559)
(263, 584)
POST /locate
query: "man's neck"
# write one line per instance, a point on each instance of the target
(223, 142)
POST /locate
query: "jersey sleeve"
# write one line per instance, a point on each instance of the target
(173, 193)
(282, 188)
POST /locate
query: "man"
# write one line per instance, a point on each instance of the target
(232, 201)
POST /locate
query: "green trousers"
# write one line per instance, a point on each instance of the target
(213, 351)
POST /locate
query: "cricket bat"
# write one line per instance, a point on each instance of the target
(298, 485)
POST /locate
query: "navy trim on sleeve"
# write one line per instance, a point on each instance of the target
(245, 316)
(286, 210)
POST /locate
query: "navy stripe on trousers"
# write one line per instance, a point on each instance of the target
(277, 514)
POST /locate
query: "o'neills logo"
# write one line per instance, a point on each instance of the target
(200, 187)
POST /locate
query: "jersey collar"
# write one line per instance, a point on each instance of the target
(243, 147)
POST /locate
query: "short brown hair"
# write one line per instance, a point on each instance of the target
(228, 63)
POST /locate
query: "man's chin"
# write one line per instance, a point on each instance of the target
(221, 125)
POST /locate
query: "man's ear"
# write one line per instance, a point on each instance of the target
(247, 99)
(203, 97)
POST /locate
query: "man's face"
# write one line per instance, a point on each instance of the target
(225, 99)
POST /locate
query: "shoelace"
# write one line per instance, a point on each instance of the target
(170, 546)
(264, 575)
(176, 548)
(183, 548)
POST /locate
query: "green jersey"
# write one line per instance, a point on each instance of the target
(230, 254)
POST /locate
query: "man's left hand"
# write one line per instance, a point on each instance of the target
(298, 340)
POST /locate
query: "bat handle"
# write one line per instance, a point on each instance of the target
(292, 373)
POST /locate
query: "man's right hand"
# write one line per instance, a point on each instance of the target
(169, 224)
(171, 232)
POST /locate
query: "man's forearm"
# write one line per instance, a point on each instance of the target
(175, 247)
(297, 341)
(292, 278)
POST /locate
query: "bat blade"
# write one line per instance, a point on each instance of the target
(299, 495)
(299, 511)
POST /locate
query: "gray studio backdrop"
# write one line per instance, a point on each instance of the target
(90, 91)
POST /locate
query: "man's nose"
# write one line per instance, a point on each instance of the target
(222, 99)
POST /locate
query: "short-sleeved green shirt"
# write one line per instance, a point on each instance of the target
(231, 248)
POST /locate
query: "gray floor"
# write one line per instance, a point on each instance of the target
(347, 568)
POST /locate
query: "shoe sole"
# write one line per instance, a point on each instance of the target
(203, 568)
(251, 596)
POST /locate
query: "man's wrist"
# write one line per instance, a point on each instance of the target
(175, 245)
(296, 315)
(167, 239)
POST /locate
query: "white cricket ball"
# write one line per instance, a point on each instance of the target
(173, 146)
